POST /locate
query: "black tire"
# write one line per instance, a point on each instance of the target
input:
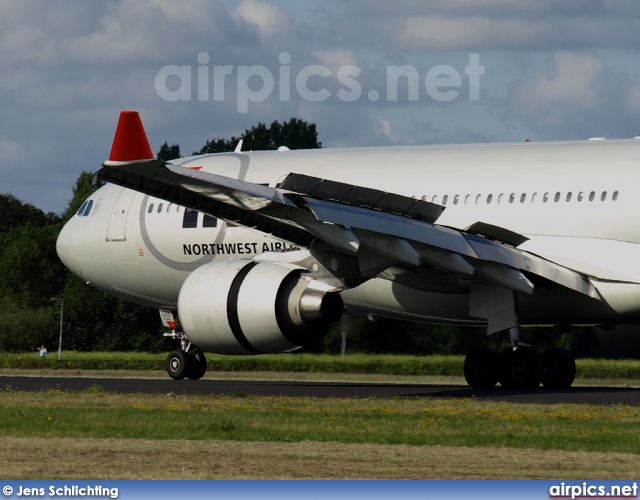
(481, 368)
(178, 364)
(559, 368)
(198, 366)
(520, 369)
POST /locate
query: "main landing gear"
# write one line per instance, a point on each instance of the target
(187, 362)
(519, 366)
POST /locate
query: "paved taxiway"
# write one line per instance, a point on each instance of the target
(575, 395)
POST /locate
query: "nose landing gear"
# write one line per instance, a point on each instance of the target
(187, 362)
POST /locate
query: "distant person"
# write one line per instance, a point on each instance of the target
(43, 351)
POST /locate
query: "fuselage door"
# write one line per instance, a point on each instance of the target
(116, 229)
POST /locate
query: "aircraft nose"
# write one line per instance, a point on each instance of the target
(71, 245)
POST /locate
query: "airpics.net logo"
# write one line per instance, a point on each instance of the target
(257, 83)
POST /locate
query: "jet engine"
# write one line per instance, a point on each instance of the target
(253, 307)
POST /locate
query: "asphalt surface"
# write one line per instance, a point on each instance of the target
(575, 395)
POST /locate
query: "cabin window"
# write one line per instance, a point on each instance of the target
(478, 199)
(445, 199)
(556, 198)
(545, 197)
(523, 197)
(569, 196)
(614, 196)
(592, 195)
(512, 197)
(150, 208)
(209, 221)
(534, 197)
(456, 199)
(580, 196)
(603, 197)
(160, 208)
(190, 219)
(489, 198)
(467, 199)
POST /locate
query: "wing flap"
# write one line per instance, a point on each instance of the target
(363, 197)
(475, 249)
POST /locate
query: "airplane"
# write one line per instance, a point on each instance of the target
(260, 252)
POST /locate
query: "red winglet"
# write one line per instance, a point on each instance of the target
(130, 142)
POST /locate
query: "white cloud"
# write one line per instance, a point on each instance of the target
(335, 59)
(384, 128)
(553, 96)
(268, 18)
(557, 70)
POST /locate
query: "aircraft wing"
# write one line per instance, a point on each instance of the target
(398, 230)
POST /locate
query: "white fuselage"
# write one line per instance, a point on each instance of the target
(576, 202)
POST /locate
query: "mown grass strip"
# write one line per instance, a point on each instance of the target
(100, 459)
(471, 423)
(353, 363)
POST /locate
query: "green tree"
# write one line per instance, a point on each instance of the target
(294, 134)
(30, 271)
(14, 213)
(30, 274)
(167, 153)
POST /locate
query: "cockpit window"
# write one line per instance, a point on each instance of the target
(85, 209)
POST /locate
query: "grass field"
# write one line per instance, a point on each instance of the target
(98, 435)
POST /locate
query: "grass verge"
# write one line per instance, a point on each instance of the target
(94, 434)
(300, 363)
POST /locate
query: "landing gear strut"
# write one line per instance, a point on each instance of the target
(186, 362)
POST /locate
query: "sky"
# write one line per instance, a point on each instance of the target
(366, 72)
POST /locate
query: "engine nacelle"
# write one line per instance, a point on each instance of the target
(252, 307)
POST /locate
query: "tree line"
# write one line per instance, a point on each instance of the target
(32, 276)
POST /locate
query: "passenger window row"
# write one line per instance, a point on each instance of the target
(190, 217)
(161, 206)
(535, 197)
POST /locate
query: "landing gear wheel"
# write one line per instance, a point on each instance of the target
(559, 368)
(481, 368)
(198, 366)
(520, 369)
(178, 364)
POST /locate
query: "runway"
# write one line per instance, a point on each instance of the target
(576, 395)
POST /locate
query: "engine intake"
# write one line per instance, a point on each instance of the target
(246, 306)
